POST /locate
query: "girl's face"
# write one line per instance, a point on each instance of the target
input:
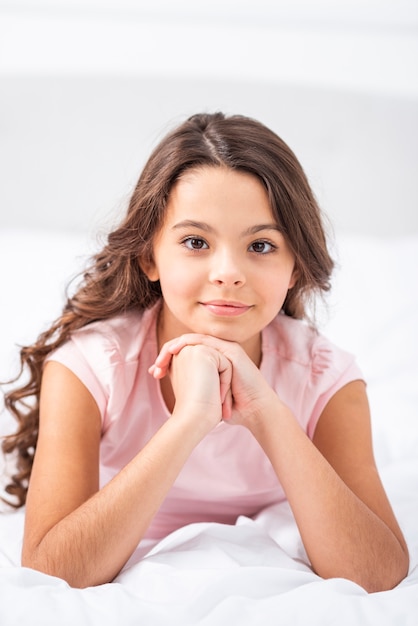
(224, 266)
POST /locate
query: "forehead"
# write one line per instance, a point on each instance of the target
(210, 189)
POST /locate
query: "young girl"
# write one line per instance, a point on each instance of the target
(181, 383)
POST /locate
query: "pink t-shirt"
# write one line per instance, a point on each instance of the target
(227, 474)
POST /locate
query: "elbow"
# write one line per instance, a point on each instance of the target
(31, 559)
(78, 573)
(35, 559)
(380, 578)
(385, 579)
(376, 584)
(373, 577)
(76, 582)
(389, 574)
(42, 563)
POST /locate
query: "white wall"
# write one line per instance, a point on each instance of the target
(88, 86)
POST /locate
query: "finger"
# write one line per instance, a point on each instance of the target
(225, 379)
(163, 360)
(227, 406)
(189, 339)
(225, 376)
(158, 372)
(162, 363)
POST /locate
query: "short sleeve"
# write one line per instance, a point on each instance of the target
(76, 360)
(341, 370)
(305, 368)
(104, 356)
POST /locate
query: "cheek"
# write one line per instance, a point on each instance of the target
(274, 279)
(176, 282)
(275, 290)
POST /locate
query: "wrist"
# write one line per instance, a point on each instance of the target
(268, 417)
(193, 425)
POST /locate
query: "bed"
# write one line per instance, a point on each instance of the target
(75, 132)
(255, 571)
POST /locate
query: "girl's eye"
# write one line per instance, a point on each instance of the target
(262, 247)
(195, 243)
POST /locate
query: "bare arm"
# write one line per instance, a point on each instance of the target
(76, 531)
(332, 484)
(345, 520)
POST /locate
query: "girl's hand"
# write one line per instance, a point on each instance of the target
(201, 381)
(250, 392)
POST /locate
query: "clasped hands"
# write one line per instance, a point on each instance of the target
(214, 378)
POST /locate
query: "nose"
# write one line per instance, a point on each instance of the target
(226, 270)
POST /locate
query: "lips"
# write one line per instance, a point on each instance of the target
(226, 308)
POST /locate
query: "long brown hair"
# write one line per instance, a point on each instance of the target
(114, 281)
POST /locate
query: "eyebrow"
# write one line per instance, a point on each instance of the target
(252, 230)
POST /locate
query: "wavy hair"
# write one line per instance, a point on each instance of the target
(114, 281)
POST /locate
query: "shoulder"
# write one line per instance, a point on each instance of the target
(105, 355)
(293, 338)
(117, 339)
(305, 367)
(296, 347)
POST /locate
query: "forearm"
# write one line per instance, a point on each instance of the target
(91, 544)
(343, 537)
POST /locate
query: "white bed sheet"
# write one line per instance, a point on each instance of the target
(255, 572)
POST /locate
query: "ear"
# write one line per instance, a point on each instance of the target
(294, 278)
(149, 268)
